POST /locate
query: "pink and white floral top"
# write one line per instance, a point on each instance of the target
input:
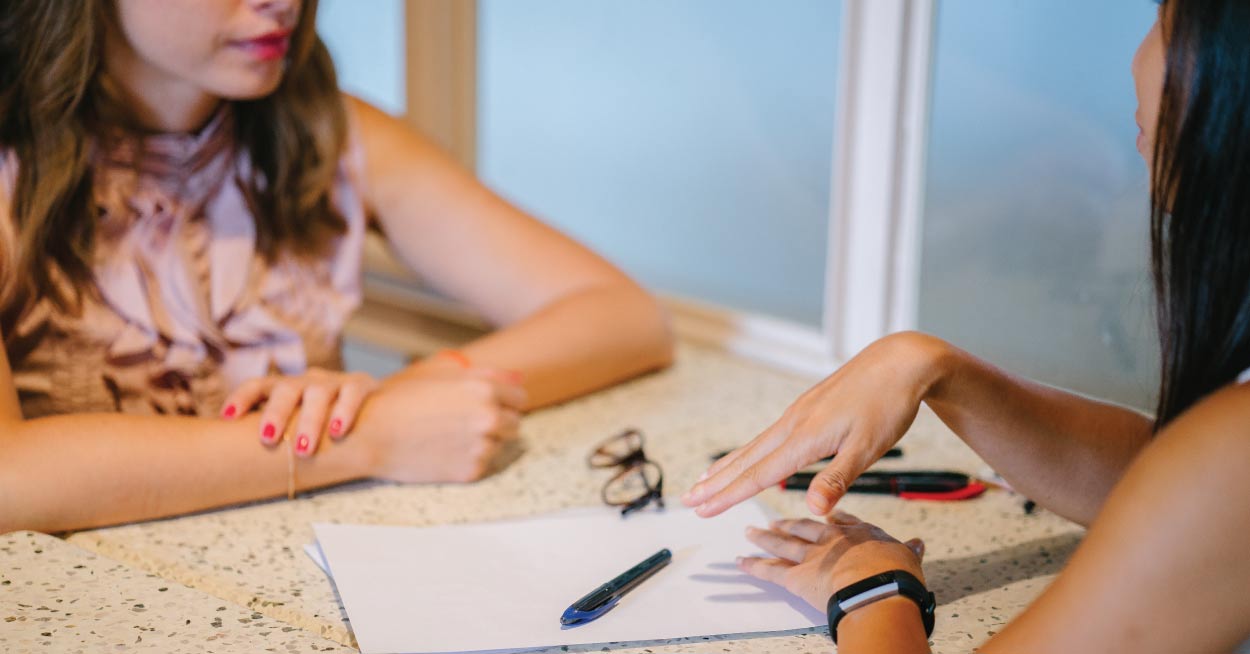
(187, 308)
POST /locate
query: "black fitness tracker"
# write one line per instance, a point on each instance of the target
(879, 587)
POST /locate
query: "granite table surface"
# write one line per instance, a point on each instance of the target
(56, 597)
(986, 558)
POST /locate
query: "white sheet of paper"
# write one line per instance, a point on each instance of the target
(503, 585)
(314, 553)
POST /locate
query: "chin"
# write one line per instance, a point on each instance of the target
(250, 86)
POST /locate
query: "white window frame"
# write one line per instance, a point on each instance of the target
(873, 279)
(876, 200)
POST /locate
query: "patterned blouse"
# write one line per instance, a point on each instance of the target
(187, 308)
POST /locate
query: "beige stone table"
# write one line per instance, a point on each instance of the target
(55, 597)
(986, 558)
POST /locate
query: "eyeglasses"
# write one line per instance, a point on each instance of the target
(639, 482)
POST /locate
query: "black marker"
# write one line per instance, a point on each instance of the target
(907, 484)
(892, 453)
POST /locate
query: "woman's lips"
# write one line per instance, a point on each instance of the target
(267, 47)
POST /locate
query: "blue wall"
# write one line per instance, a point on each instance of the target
(1035, 224)
(366, 40)
(690, 142)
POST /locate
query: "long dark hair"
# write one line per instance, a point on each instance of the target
(1200, 201)
(54, 103)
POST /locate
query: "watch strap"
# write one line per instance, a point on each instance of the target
(879, 587)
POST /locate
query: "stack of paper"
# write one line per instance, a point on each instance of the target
(504, 585)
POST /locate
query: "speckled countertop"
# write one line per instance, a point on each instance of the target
(986, 559)
(55, 597)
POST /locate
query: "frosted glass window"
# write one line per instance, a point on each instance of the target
(1035, 250)
(366, 39)
(690, 141)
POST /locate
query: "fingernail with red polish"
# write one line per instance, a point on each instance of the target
(336, 427)
(229, 411)
(268, 432)
(301, 444)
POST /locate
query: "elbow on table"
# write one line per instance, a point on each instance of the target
(12, 518)
(29, 477)
(655, 328)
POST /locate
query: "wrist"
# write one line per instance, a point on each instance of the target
(361, 450)
(894, 618)
(857, 598)
(442, 361)
(937, 360)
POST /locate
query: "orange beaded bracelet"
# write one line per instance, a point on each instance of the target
(456, 356)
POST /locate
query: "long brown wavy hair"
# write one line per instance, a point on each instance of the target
(55, 102)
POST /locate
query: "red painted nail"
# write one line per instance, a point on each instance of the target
(336, 426)
(301, 444)
(269, 431)
(229, 411)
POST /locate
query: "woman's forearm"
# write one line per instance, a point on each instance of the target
(88, 470)
(1062, 450)
(581, 343)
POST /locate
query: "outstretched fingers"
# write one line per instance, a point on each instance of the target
(739, 482)
(779, 544)
(770, 570)
(734, 465)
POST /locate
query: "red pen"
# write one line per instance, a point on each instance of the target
(907, 484)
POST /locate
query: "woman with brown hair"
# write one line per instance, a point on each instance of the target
(184, 194)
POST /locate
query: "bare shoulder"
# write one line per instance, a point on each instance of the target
(1216, 429)
(374, 127)
(363, 112)
(390, 146)
(1196, 466)
(1185, 502)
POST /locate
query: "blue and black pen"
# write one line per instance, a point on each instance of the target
(602, 599)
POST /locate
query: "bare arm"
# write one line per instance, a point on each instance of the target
(1063, 450)
(76, 471)
(570, 321)
(89, 470)
(1164, 567)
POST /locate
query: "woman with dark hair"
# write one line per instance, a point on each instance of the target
(184, 194)
(1164, 567)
